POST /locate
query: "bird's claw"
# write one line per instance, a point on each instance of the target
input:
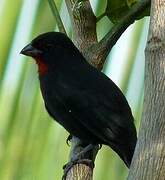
(100, 146)
(68, 139)
(78, 159)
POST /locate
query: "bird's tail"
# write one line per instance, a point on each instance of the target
(127, 154)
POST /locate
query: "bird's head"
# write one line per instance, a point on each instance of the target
(49, 49)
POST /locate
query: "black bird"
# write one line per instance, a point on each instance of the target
(81, 98)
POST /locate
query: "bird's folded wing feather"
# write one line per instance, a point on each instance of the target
(96, 112)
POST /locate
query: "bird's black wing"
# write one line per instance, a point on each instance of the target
(96, 112)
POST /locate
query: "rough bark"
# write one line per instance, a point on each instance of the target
(80, 172)
(149, 158)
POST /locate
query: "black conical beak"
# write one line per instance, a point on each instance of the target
(29, 50)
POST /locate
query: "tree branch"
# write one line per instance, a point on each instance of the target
(105, 45)
(83, 23)
(84, 35)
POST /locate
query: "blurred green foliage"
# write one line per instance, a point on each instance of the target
(117, 9)
(32, 146)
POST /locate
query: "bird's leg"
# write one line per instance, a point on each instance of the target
(79, 159)
(82, 153)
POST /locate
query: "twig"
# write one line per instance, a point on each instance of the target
(106, 44)
(56, 15)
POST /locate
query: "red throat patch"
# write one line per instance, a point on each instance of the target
(42, 67)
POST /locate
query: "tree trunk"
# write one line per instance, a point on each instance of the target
(84, 35)
(149, 159)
